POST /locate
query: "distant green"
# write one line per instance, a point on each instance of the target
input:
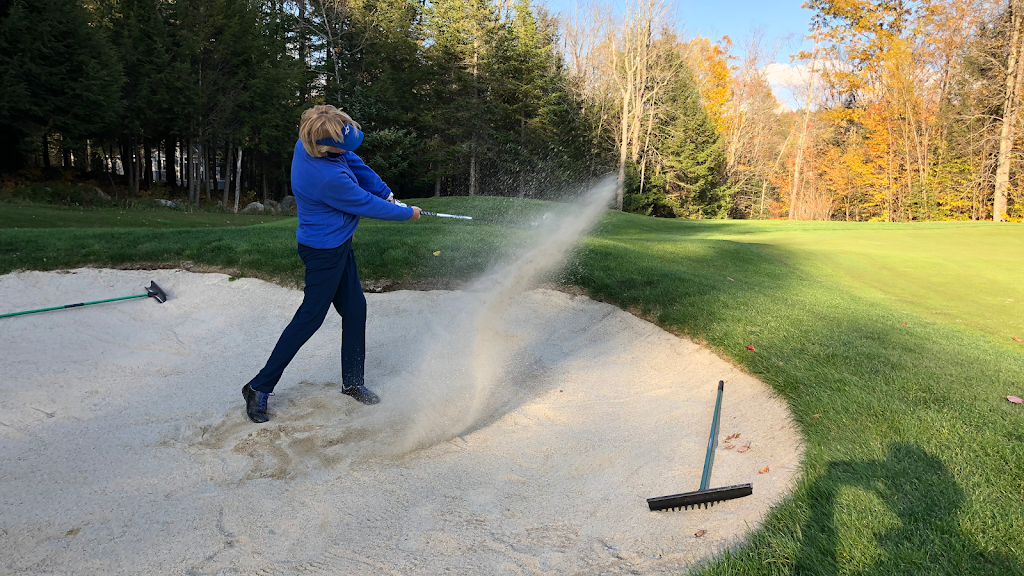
(892, 343)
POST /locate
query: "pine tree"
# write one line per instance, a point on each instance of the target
(694, 154)
(58, 75)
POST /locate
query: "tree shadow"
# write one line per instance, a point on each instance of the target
(921, 502)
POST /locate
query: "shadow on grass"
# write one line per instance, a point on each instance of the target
(918, 504)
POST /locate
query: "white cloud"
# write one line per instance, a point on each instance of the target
(789, 81)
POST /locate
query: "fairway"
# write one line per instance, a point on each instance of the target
(961, 272)
(891, 343)
(965, 273)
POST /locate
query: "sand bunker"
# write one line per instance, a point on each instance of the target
(125, 448)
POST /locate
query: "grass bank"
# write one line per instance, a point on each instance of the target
(892, 344)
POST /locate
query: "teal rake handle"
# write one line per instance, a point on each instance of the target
(709, 460)
(71, 305)
(153, 290)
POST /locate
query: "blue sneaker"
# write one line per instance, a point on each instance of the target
(361, 393)
(256, 404)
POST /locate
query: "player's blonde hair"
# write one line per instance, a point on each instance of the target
(322, 121)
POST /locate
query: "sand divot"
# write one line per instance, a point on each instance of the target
(126, 449)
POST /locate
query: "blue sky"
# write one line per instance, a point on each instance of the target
(737, 18)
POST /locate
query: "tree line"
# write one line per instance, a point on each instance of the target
(908, 109)
(456, 97)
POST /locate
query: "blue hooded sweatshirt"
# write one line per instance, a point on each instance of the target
(332, 192)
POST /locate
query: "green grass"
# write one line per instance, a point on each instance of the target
(36, 216)
(916, 463)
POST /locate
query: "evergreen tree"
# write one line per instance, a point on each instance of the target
(693, 154)
(59, 77)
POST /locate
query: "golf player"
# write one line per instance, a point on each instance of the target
(333, 189)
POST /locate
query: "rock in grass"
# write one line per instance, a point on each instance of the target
(253, 208)
(288, 202)
(166, 203)
(98, 192)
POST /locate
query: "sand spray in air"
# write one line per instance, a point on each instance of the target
(468, 370)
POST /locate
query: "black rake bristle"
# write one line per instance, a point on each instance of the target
(699, 498)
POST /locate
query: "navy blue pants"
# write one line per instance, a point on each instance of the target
(331, 278)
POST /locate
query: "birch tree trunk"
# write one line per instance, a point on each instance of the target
(227, 174)
(795, 191)
(205, 168)
(472, 169)
(136, 167)
(620, 182)
(1007, 131)
(238, 176)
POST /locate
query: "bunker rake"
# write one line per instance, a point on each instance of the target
(704, 496)
(153, 291)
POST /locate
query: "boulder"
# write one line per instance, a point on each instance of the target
(288, 202)
(252, 208)
(166, 203)
(97, 191)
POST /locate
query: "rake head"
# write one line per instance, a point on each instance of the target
(156, 292)
(699, 498)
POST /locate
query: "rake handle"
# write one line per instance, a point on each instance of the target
(709, 459)
(72, 305)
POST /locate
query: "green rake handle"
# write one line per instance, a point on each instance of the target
(71, 305)
(709, 460)
(153, 290)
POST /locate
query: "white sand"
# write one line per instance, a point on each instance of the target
(524, 445)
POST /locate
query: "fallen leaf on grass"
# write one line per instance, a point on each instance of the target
(780, 363)
(904, 323)
(1015, 400)
(764, 471)
(815, 417)
(438, 253)
(1015, 339)
(751, 347)
(730, 279)
(744, 448)
(700, 533)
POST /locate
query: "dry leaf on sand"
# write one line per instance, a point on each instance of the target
(700, 533)
(744, 448)
(763, 471)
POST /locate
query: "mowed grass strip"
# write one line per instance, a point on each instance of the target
(914, 460)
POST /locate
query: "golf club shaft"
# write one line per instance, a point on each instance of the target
(460, 217)
(455, 216)
(72, 305)
(709, 460)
